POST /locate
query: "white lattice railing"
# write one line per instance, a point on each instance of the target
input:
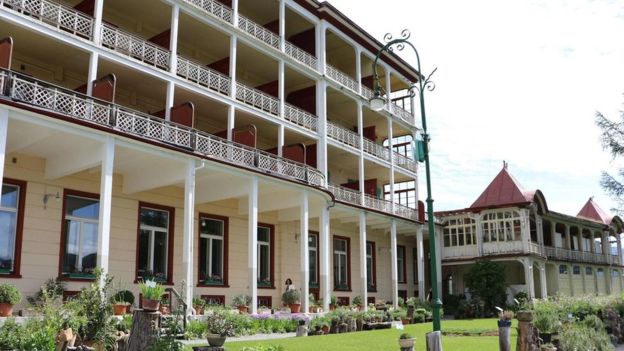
(300, 55)
(376, 150)
(345, 194)
(341, 77)
(404, 162)
(257, 99)
(54, 14)
(259, 32)
(367, 92)
(535, 249)
(402, 114)
(343, 135)
(137, 48)
(214, 8)
(300, 117)
(405, 212)
(203, 76)
(377, 204)
(69, 103)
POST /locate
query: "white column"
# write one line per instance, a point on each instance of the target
(106, 195)
(543, 287)
(235, 12)
(280, 140)
(413, 107)
(388, 87)
(361, 175)
(363, 277)
(173, 39)
(619, 249)
(252, 227)
(394, 269)
(282, 24)
(358, 68)
(169, 99)
(568, 239)
(231, 121)
(525, 230)
(189, 230)
(540, 229)
(606, 246)
(93, 71)
(305, 264)
(391, 148)
(528, 277)
(325, 289)
(320, 46)
(479, 234)
(321, 110)
(97, 21)
(420, 258)
(281, 93)
(4, 126)
(233, 51)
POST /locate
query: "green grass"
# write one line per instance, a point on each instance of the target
(386, 339)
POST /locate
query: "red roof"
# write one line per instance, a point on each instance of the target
(594, 213)
(503, 190)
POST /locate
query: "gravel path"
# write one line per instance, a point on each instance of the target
(245, 338)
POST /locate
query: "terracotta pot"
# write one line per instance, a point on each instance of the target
(405, 321)
(242, 309)
(295, 307)
(6, 310)
(199, 310)
(406, 342)
(120, 310)
(215, 340)
(150, 305)
(325, 329)
(66, 335)
(164, 309)
(332, 307)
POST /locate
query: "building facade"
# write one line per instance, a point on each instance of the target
(223, 146)
(544, 252)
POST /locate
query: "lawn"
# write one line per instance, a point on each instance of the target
(381, 340)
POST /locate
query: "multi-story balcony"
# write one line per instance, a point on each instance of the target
(353, 197)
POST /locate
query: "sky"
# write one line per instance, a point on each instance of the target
(519, 81)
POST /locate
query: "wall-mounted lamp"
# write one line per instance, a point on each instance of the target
(46, 197)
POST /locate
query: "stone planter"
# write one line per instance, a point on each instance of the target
(548, 348)
(215, 340)
(6, 310)
(406, 343)
(504, 323)
(524, 316)
(150, 305)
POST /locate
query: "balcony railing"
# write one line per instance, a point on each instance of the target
(135, 47)
(257, 99)
(572, 255)
(404, 162)
(343, 135)
(377, 204)
(214, 8)
(54, 14)
(376, 150)
(405, 212)
(345, 194)
(118, 118)
(354, 197)
(300, 117)
(367, 92)
(402, 114)
(341, 77)
(203, 76)
(259, 32)
(300, 55)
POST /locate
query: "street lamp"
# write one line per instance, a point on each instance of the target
(377, 103)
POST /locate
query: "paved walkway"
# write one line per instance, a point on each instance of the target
(619, 348)
(246, 338)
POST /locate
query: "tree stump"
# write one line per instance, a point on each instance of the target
(145, 330)
(527, 334)
(434, 341)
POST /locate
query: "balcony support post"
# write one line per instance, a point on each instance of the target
(169, 99)
(568, 240)
(358, 68)
(93, 71)
(394, 268)
(592, 245)
(606, 246)
(98, 8)
(281, 93)
(235, 13)
(189, 212)
(305, 258)
(553, 234)
(324, 264)
(106, 196)
(525, 231)
(363, 265)
(231, 122)
(619, 249)
(479, 227)
(391, 149)
(321, 109)
(252, 239)
(361, 175)
(233, 52)
(4, 127)
(280, 140)
(540, 229)
(282, 24)
(528, 276)
(173, 39)
(320, 46)
(420, 265)
(543, 282)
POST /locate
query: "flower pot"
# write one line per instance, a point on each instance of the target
(406, 342)
(150, 305)
(295, 307)
(215, 340)
(242, 309)
(164, 309)
(524, 316)
(548, 348)
(6, 310)
(502, 323)
(199, 310)
(119, 309)
(405, 321)
(546, 337)
(325, 329)
(66, 335)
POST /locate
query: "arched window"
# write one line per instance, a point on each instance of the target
(460, 232)
(501, 226)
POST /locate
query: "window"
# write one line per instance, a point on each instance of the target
(576, 270)
(402, 145)
(79, 241)
(563, 269)
(460, 232)
(401, 264)
(371, 269)
(404, 193)
(265, 256)
(615, 273)
(599, 272)
(213, 250)
(588, 271)
(155, 243)
(501, 226)
(342, 261)
(415, 264)
(11, 225)
(313, 257)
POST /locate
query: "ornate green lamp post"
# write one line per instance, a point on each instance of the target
(377, 103)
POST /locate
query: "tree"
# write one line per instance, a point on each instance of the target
(486, 280)
(612, 137)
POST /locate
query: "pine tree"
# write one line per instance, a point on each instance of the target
(612, 137)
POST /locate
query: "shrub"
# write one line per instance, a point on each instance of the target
(196, 330)
(546, 316)
(579, 337)
(291, 296)
(406, 336)
(218, 323)
(357, 300)
(241, 300)
(486, 280)
(124, 297)
(9, 294)
(52, 289)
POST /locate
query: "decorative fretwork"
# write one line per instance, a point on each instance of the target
(345, 194)
(342, 78)
(53, 14)
(259, 32)
(300, 117)
(137, 48)
(203, 76)
(300, 55)
(402, 114)
(214, 8)
(343, 135)
(257, 99)
(376, 150)
(404, 162)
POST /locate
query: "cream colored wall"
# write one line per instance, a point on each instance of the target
(42, 234)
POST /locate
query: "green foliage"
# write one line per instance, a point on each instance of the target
(263, 348)
(219, 323)
(486, 280)
(357, 300)
(124, 297)
(612, 135)
(199, 302)
(52, 289)
(578, 336)
(291, 296)
(241, 300)
(546, 316)
(406, 336)
(320, 322)
(196, 330)
(94, 306)
(10, 294)
(593, 322)
(152, 290)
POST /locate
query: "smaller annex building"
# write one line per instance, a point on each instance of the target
(544, 252)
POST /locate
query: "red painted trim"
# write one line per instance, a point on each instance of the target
(209, 298)
(170, 239)
(373, 287)
(318, 262)
(226, 228)
(402, 279)
(348, 240)
(66, 193)
(267, 299)
(272, 253)
(19, 227)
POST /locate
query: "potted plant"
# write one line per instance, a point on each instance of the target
(199, 304)
(546, 320)
(241, 302)
(122, 301)
(406, 340)
(219, 328)
(151, 293)
(9, 297)
(165, 307)
(333, 302)
(292, 299)
(504, 319)
(314, 307)
(357, 301)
